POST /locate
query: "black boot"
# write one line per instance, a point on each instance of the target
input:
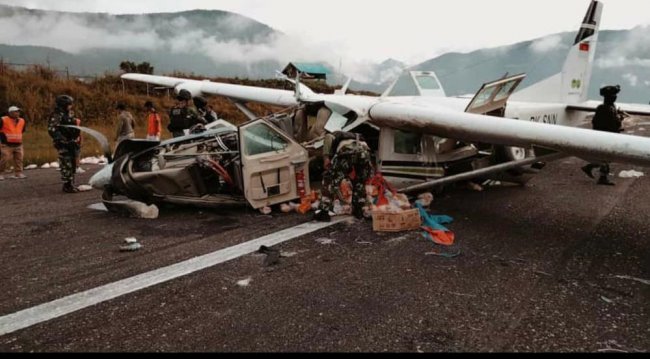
(588, 170)
(322, 216)
(68, 187)
(604, 181)
(357, 212)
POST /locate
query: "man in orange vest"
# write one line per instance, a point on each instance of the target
(153, 122)
(12, 128)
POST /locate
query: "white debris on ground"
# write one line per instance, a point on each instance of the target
(130, 245)
(133, 209)
(85, 188)
(244, 282)
(45, 166)
(54, 164)
(98, 207)
(97, 160)
(325, 241)
(266, 210)
(31, 167)
(631, 174)
(288, 254)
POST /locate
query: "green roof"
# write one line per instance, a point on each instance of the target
(311, 68)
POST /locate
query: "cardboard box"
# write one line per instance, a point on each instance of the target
(396, 222)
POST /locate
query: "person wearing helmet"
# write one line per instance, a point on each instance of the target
(182, 116)
(606, 119)
(350, 160)
(204, 109)
(65, 140)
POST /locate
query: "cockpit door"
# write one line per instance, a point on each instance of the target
(494, 95)
(275, 168)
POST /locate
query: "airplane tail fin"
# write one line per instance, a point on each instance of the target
(572, 84)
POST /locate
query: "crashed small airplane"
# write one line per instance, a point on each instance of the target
(420, 137)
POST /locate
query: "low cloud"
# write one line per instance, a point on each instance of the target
(634, 50)
(632, 79)
(547, 44)
(77, 33)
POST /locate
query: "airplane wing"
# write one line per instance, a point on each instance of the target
(632, 109)
(234, 92)
(587, 144)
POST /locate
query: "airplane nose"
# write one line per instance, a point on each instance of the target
(102, 178)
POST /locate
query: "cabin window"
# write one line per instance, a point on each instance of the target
(428, 83)
(505, 91)
(260, 138)
(407, 143)
(405, 86)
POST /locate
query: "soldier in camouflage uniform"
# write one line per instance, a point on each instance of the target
(65, 140)
(607, 119)
(183, 116)
(350, 159)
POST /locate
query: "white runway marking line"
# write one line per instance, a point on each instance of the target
(60, 307)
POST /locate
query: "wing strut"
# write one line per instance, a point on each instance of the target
(482, 172)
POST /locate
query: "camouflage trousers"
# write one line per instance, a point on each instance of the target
(341, 168)
(68, 162)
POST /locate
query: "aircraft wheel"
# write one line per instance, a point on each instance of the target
(516, 153)
(509, 153)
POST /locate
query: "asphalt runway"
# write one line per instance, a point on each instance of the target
(558, 265)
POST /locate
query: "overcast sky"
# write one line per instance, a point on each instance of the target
(407, 30)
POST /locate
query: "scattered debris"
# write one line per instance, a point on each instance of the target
(443, 254)
(266, 210)
(131, 245)
(642, 129)
(463, 294)
(474, 186)
(644, 281)
(93, 160)
(325, 241)
(425, 199)
(54, 164)
(45, 166)
(287, 254)
(631, 174)
(285, 208)
(130, 208)
(85, 188)
(492, 183)
(434, 229)
(542, 273)
(98, 207)
(606, 300)
(272, 255)
(31, 167)
(244, 282)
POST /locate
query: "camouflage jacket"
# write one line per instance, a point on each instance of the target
(62, 135)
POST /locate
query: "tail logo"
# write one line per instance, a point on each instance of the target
(584, 46)
(576, 84)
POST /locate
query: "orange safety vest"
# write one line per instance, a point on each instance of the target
(153, 127)
(13, 130)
